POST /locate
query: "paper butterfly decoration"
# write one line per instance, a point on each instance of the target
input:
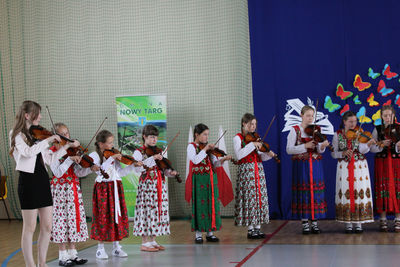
(371, 101)
(383, 90)
(356, 100)
(373, 74)
(387, 103)
(344, 109)
(340, 92)
(359, 84)
(329, 105)
(397, 102)
(361, 116)
(389, 75)
(377, 118)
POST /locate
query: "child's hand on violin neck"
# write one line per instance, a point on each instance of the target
(398, 145)
(117, 156)
(95, 168)
(174, 173)
(258, 145)
(310, 144)
(75, 143)
(54, 138)
(371, 142)
(228, 157)
(271, 154)
(209, 146)
(138, 164)
(158, 157)
(76, 159)
(387, 142)
(324, 144)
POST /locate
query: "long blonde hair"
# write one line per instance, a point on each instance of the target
(27, 107)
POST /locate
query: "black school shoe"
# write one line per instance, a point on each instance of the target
(315, 229)
(259, 233)
(252, 234)
(198, 240)
(306, 228)
(212, 238)
(66, 263)
(79, 261)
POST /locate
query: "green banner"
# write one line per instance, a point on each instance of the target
(134, 112)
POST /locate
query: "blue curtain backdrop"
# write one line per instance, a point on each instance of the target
(304, 48)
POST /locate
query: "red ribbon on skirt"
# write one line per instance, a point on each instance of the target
(392, 191)
(257, 178)
(159, 193)
(311, 184)
(212, 197)
(77, 210)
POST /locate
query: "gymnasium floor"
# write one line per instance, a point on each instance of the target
(283, 246)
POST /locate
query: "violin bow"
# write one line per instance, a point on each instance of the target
(269, 126)
(169, 145)
(220, 138)
(54, 128)
(316, 115)
(122, 139)
(95, 134)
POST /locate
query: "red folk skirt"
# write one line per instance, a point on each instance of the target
(382, 185)
(104, 226)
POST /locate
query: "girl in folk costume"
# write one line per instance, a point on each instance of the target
(202, 185)
(353, 186)
(308, 186)
(251, 207)
(69, 219)
(151, 211)
(33, 185)
(387, 168)
(110, 218)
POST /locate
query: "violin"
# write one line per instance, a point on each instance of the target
(164, 163)
(392, 132)
(254, 137)
(361, 135)
(125, 159)
(40, 133)
(215, 151)
(315, 131)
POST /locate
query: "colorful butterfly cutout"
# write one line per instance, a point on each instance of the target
(329, 105)
(397, 102)
(340, 92)
(387, 103)
(344, 109)
(383, 90)
(371, 101)
(377, 118)
(361, 116)
(373, 74)
(359, 84)
(389, 75)
(356, 100)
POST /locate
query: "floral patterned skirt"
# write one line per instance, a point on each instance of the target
(104, 226)
(382, 195)
(248, 210)
(362, 193)
(65, 215)
(147, 222)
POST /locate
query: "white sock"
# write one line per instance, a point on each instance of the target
(304, 220)
(198, 234)
(349, 225)
(358, 225)
(250, 228)
(209, 233)
(258, 227)
(72, 253)
(383, 218)
(62, 255)
(314, 223)
(100, 246)
(154, 243)
(116, 245)
(147, 244)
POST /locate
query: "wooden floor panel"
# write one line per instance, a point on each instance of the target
(333, 234)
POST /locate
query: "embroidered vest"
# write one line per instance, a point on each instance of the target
(301, 140)
(150, 172)
(342, 145)
(203, 166)
(384, 152)
(250, 157)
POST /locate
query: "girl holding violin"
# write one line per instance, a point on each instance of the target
(353, 198)
(34, 192)
(69, 219)
(110, 217)
(202, 185)
(387, 168)
(151, 211)
(308, 186)
(251, 208)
